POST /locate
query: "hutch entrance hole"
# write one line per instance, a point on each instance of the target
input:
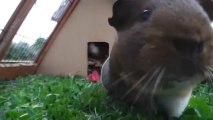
(98, 52)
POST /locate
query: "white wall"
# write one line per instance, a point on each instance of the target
(88, 22)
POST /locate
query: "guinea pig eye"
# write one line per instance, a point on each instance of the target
(145, 15)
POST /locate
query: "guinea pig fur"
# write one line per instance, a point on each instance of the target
(163, 50)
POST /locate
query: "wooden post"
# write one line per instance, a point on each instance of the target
(13, 25)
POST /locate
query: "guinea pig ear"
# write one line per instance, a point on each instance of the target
(208, 7)
(120, 14)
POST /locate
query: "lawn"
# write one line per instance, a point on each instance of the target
(42, 97)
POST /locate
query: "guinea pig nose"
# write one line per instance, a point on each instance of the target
(188, 47)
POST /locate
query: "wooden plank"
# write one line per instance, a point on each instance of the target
(13, 25)
(11, 71)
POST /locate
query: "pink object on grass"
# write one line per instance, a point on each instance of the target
(94, 76)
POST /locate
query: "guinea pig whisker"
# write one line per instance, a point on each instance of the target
(209, 74)
(146, 84)
(210, 68)
(206, 72)
(210, 78)
(158, 80)
(122, 78)
(135, 85)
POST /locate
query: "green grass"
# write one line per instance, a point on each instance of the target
(40, 97)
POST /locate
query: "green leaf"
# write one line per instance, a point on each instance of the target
(200, 106)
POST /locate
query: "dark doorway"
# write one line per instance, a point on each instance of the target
(98, 52)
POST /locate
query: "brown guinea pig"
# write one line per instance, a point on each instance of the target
(164, 49)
